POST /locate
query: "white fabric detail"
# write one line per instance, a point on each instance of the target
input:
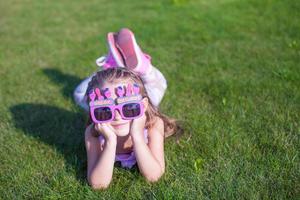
(154, 81)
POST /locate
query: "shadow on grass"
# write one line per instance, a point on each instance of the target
(62, 129)
(59, 128)
(68, 81)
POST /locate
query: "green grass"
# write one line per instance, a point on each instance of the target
(233, 79)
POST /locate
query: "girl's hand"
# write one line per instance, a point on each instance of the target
(137, 126)
(107, 131)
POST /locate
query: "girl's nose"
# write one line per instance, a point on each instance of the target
(117, 115)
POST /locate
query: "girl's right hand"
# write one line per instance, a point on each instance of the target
(107, 131)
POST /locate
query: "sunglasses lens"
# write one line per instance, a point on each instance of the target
(103, 113)
(131, 110)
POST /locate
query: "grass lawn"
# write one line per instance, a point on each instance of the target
(233, 71)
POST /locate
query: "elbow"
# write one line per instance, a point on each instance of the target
(154, 177)
(97, 184)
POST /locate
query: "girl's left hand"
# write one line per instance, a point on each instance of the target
(137, 126)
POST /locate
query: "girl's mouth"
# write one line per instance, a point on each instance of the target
(118, 125)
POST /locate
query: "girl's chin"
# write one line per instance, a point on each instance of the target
(121, 133)
(121, 129)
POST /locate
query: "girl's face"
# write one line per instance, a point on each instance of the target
(121, 127)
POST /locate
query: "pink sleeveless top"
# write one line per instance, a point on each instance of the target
(127, 160)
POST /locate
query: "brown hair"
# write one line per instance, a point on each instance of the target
(113, 75)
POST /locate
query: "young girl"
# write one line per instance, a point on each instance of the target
(124, 125)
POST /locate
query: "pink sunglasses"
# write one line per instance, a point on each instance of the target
(129, 106)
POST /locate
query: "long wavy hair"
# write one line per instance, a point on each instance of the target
(114, 75)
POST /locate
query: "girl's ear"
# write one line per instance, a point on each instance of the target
(145, 103)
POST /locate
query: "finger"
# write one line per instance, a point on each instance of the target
(107, 127)
(97, 126)
(104, 125)
(110, 127)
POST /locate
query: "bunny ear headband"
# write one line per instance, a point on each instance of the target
(103, 97)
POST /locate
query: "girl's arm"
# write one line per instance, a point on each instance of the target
(100, 160)
(150, 158)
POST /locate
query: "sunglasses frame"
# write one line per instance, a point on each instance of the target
(113, 107)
